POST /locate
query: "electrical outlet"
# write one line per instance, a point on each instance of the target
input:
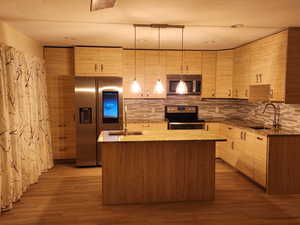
(217, 109)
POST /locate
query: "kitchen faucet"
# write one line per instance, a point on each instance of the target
(276, 124)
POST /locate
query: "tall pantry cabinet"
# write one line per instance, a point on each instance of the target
(61, 97)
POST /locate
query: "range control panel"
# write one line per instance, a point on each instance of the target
(181, 109)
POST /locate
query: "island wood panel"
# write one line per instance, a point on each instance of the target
(158, 171)
(283, 165)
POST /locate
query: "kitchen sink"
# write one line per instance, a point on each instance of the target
(123, 132)
(260, 128)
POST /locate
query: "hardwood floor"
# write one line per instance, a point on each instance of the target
(68, 195)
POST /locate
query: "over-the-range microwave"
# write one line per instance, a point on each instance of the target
(193, 83)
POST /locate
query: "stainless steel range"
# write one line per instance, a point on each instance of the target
(182, 117)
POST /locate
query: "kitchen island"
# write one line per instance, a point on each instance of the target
(158, 166)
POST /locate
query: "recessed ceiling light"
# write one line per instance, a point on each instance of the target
(239, 25)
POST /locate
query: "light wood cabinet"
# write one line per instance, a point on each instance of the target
(149, 69)
(241, 75)
(246, 151)
(173, 62)
(209, 63)
(192, 62)
(212, 127)
(224, 74)
(96, 61)
(61, 99)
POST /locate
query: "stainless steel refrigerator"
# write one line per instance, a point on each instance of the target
(99, 106)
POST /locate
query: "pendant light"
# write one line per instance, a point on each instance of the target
(159, 87)
(135, 86)
(181, 87)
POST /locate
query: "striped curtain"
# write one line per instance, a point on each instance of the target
(25, 138)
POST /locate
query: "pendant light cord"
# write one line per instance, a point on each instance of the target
(181, 50)
(134, 52)
(159, 51)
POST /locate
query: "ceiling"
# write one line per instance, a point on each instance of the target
(208, 22)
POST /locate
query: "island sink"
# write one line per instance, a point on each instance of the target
(124, 132)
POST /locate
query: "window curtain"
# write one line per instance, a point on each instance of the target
(25, 138)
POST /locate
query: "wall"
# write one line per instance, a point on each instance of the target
(21, 42)
(153, 109)
(144, 110)
(289, 114)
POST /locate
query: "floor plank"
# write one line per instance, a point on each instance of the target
(69, 195)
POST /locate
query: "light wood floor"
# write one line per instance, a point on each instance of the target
(68, 195)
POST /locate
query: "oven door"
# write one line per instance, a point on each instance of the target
(185, 126)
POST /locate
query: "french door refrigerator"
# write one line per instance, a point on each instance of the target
(99, 106)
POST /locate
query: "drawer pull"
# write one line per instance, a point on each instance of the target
(229, 128)
(62, 137)
(259, 138)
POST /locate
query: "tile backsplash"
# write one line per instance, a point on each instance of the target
(152, 110)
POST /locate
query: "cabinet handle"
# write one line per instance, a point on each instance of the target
(259, 138)
(242, 135)
(232, 145)
(272, 93)
(260, 77)
(62, 137)
(187, 68)
(213, 93)
(207, 128)
(101, 67)
(245, 136)
(256, 78)
(62, 149)
(96, 67)
(229, 128)
(229, 92)
(246, 93)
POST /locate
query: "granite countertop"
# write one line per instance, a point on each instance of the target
(244, 124)
(163, 135)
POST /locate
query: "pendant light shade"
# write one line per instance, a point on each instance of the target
(181, 88)
(135, 86)
(159, 87)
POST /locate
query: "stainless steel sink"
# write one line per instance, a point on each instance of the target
(123, 132)
(260, 128)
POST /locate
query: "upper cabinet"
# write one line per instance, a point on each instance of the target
(209, 63)
(224, 73)
(241, 75)
(185, 62)
(148, 67)
(94, 61)
(274, 62)
(192, 62)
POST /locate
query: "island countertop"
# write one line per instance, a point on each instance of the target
(162, 135)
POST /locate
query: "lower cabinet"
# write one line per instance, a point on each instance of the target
(245, 151)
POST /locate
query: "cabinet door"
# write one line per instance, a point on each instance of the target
(278, 58)
(260, 159)
(87, 61)
(245, 162)
(212, 127)
(129, 72)
(209, 61)
(173, 62)
(224, 74)
(154, 61)
(59, 60)
(241, 74)
(192, 62)
(110, 61)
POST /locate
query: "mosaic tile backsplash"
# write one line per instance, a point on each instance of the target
(152, 110)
